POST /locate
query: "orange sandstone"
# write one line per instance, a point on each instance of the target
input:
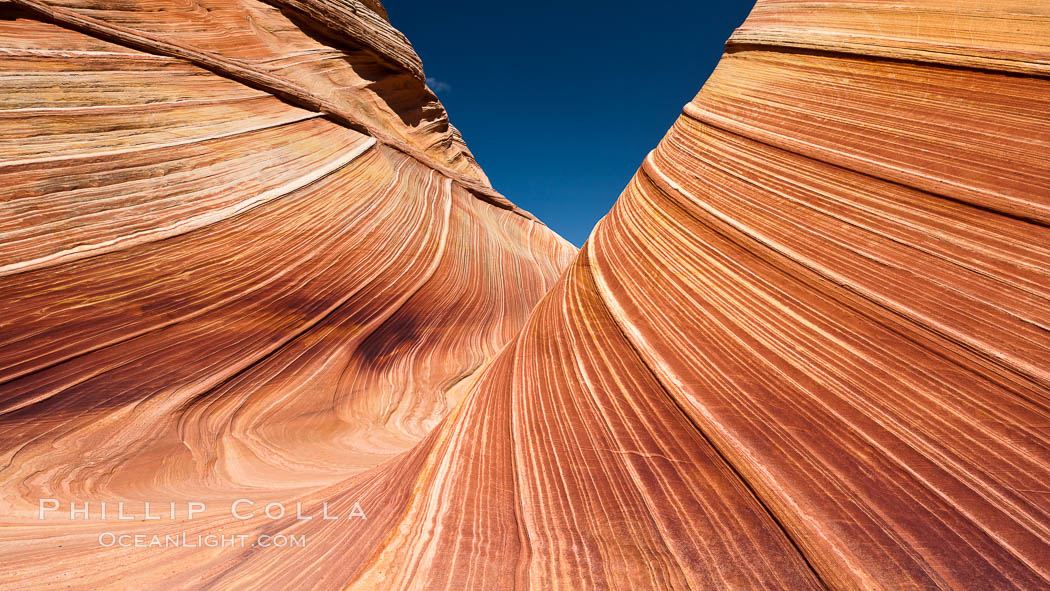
(251, 275)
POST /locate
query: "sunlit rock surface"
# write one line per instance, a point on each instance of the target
(213, 287)
(808, 348)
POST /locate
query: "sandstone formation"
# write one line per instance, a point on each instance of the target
(244, 255)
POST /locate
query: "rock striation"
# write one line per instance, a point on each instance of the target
(245, 256)
(238, 259)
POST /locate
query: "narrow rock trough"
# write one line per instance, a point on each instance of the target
(252, 276)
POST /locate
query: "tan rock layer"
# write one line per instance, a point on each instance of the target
(806, 349)
(207, 289)
(372, 82)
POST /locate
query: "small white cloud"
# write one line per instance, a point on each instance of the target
(438, 85)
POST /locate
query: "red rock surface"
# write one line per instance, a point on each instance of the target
(808, 348)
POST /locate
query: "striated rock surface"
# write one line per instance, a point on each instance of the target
(808, 348)
(238, 259)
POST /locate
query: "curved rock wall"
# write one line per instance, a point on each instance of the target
(211, 287)
(808, 348)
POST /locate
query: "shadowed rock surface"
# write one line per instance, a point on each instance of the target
(245, 255)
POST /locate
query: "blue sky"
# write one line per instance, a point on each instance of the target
(560, 101)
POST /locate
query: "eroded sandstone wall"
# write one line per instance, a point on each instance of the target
(808, 348)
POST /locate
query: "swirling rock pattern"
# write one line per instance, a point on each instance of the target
(808, 348)
(211, 286)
